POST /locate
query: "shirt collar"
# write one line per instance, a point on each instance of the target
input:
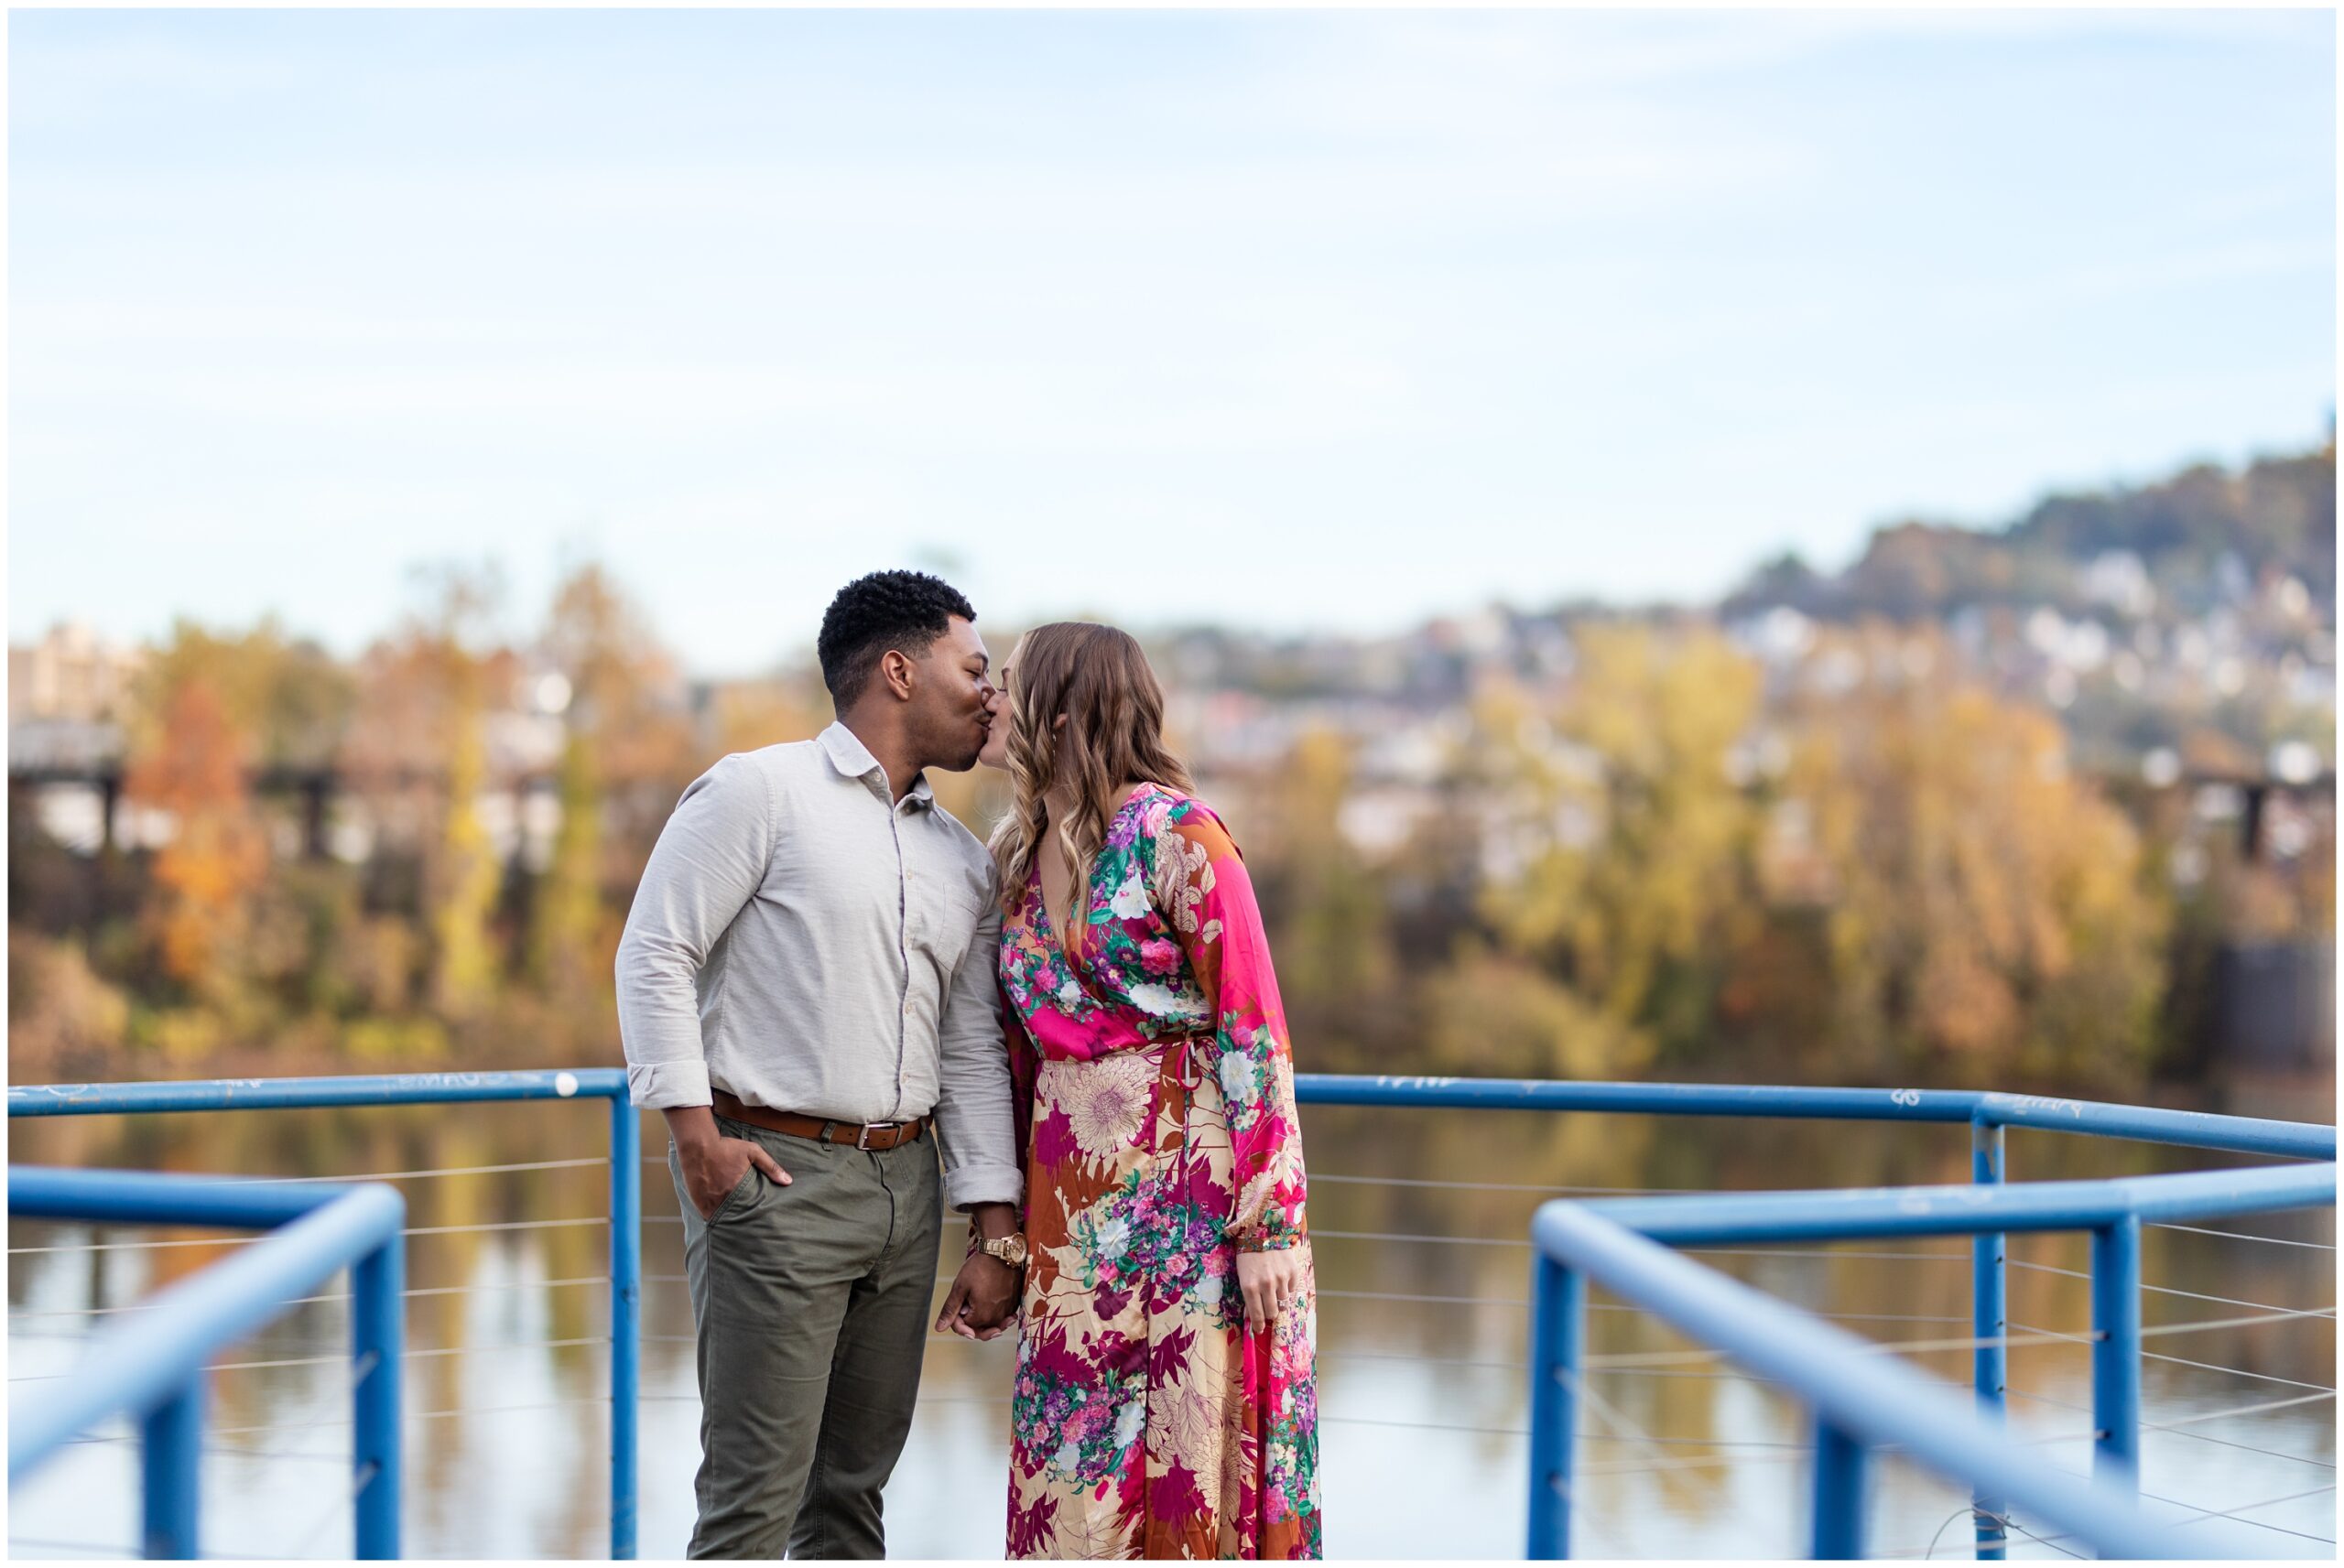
(852, 758)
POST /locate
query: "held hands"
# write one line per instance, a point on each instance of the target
(714, 1166)
(983, 1300)
(1269, 1282)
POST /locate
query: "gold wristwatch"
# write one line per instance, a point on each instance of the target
(1010, 1250)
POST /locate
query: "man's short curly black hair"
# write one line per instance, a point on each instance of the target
(899, 609)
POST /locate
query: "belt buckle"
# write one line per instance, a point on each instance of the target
(862, 1139)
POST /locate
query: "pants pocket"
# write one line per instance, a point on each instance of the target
(749, 1179)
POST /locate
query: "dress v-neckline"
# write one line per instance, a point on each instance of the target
(1069, 958)
(1048, 929)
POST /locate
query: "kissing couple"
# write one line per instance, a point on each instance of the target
(853, 1013)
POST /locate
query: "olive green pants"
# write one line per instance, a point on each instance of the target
(812, 1302)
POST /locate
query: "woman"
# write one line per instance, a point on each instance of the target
(1164, 1405)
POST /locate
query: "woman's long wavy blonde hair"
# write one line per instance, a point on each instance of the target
(1098, 678)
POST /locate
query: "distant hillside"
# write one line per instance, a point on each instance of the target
(2202, 537)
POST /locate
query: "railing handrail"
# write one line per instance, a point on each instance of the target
(1871, 1396)
(310, 1093)
(132, 1365)
(1824, 1215)
(2190, 1129)
(150, 1366)
(161, 1197)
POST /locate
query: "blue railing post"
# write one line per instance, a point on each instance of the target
(1841, 1462)
(1557, 1318)
(377, 1342)
(626, 1301)
(2116, 1350)
(171, 1440)
(1989, 1318)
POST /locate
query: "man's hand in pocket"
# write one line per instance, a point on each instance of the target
(713, 1164)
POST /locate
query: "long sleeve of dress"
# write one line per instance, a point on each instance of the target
(1202, 887)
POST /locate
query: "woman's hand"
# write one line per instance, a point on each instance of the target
(1269, 1282)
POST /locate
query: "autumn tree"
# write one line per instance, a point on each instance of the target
(626, 754)
(1619, 843)
(627, 694)
(1988, 909)
(1338, 973)
(287, 695)
(416, 756)
(193, 762)
(209, 710)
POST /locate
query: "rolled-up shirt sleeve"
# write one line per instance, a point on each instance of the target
(709, 862)
(973, 1108)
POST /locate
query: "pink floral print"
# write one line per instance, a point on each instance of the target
(1160, 1139)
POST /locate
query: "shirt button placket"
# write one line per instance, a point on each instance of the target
(903, 951)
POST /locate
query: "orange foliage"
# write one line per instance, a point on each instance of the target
(218, 855)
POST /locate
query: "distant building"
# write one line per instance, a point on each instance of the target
(70, 675)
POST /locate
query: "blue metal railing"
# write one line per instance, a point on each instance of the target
(607, 1083)
(1862, 1400)
(153, 1369)
(1986, 1210)
(1986, 1115)
(1590, 1236)
(2187, 1129)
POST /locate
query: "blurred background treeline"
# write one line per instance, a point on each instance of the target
(2051, 804)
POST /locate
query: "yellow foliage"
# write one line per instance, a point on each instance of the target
(1633, 841)
(186, 1035)
(467, 960)
(1498, 1016)
(60, 1009)
(1982, 891)
(394, 1039)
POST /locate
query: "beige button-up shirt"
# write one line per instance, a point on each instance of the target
(807, 944)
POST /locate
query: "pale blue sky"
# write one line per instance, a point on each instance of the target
(1304, 320)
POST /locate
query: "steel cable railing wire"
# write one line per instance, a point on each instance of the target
(93, 1547)
(2194, 1514)
(2242, 1236)
(425, 1354)
(2183, 1429)
(359, 1371)
(2034, 1268)
(334, 1296)
(477, 1228)
(2026, 1336)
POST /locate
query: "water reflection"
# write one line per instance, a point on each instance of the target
(1422, 1343)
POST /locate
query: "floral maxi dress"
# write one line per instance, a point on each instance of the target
(1152, 1058)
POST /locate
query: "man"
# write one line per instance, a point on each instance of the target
(806, 990)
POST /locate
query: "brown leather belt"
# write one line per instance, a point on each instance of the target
(876, 1135)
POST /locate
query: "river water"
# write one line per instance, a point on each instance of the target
(1421, 1344)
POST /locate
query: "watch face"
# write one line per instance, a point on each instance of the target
(1010, 1250)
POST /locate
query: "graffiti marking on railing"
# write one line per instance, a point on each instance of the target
(2022, 1104)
